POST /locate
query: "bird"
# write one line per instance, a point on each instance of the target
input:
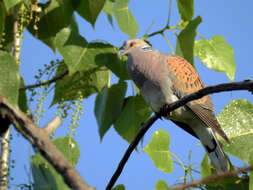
(163, 79)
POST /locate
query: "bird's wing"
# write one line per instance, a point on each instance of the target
(186, 81)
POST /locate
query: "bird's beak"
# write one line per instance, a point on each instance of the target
(124, 52)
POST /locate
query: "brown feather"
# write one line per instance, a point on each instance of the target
(188, 81)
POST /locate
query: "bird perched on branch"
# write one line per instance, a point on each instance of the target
(163, 79)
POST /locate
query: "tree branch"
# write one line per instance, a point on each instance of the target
(39, 138)
(213, 178)
(52, 125)
(45, 83)
(5, 142)
(244, 85)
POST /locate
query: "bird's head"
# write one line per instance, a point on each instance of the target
(130, 45)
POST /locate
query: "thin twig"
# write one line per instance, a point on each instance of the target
(45, 83)
(213, 178)
(39, 138)
(130, 149)
(244, 85)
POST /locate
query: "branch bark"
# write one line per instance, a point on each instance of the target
(52, 125)
(5, 143)
(213, 178)
(39, 138)
(244, 85)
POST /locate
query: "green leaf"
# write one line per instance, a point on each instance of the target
(7, 35)
(108, 10)
(55, 15)
(9, 77)
(217, 55)
(158, 151)
(22, 99)
(83, 83)
(205, 167)
(90, 9)
(2, 17)
(135, 111)
(74, 25)
(108, 106)
(185, 40)
(236, 120)
(161, 185)
(119, 187)
(125, 19)
(186, 9)
(11, 3)
(44, 175)
(69, 148)
(79, 55)
(116, 65)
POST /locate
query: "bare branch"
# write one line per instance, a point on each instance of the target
(244, 85)
(5, 146)
(44, 83)
(4, 172)
(213, 178)
(39, 138)
(52, 125)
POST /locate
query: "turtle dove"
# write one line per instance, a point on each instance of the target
(163, 79)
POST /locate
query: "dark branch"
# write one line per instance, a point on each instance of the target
(244, 85)
(39, 138)
(213, 178)
(44, 83)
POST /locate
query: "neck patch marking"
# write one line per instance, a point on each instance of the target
(146, 48)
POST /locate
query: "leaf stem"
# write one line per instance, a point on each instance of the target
(180, 162)
(167, 40)
(170, 4)
(202, 37)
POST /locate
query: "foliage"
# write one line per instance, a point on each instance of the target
(86, 69)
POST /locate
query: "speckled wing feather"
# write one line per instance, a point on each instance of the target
(186, 81)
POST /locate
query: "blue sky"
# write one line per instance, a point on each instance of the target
(98, 160)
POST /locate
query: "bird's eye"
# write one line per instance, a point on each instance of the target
(132, 44)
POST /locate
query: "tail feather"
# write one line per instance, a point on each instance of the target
(212, 147)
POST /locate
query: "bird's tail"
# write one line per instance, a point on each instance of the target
(212, 147)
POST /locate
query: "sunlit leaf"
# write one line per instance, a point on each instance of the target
(119, 187)
(9, 77)
(44, 175)
(90, 9)
(108, 10)
(185, 40)
(79, 55)
(135, 111)
(161, 185)
(217, 55)
(22, 99)
(186, 9)
(83, 83)
(125, 19)
(237, 122)
(205, 167)
(158, 151)
(55, 15)
(108, 106)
